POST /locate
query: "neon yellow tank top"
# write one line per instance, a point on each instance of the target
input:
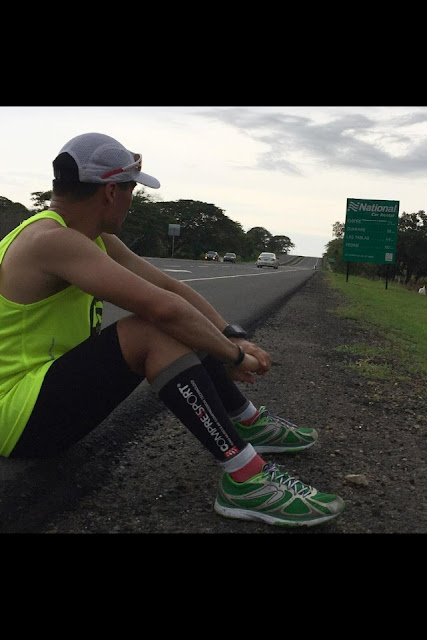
(32, 337)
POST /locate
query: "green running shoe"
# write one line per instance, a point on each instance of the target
(275, 434)
(275, 497)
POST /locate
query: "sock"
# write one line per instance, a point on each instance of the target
(247, 416)
(251, 469)
(254, 418)
(244, 465)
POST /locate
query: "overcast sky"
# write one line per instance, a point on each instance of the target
(287, 169)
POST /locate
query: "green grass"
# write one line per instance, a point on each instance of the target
(396, 314)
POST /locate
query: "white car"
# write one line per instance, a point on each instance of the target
(266, 259)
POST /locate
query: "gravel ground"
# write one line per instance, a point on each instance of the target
(371, 449)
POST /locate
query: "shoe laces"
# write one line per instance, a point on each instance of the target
(266, 414)
(295, 485)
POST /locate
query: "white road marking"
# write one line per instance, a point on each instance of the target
(242, 275)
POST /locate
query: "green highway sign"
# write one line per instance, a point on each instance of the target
(371, 231)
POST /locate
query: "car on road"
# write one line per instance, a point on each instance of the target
(229, 257)
(267, 259)
(212, 255)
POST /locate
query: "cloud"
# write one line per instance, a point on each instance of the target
(294, 143)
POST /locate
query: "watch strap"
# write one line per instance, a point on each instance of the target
(240, 358)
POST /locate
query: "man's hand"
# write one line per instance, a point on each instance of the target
(246, 370)
(263, 357)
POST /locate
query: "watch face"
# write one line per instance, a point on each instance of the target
(236, 328)
(234, 331)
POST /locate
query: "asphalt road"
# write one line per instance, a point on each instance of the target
(240, 292)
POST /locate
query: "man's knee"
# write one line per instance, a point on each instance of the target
(146, 348)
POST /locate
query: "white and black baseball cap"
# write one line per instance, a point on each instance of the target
(100, 159)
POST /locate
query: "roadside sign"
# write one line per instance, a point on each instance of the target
(174, 230)
(371, 231)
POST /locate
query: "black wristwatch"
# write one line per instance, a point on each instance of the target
(234, 331)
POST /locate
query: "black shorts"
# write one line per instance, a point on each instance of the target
(80, 390)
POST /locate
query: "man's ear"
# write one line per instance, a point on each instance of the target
(110, 190)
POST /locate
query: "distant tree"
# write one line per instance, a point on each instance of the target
(11, 214)
(333, 255)
(260, 237)
(203, 227)
(280, 244)
(338, 229)
(7, 205)
(411, 252)
(41, 201)
(144, 230)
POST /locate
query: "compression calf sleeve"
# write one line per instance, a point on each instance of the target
(187, 390)
(232, 398)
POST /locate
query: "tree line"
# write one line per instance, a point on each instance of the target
(203, 227)
(411, 252)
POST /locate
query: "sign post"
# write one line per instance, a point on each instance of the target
(371, 231)
(174, 230)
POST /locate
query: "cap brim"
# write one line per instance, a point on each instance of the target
(145, 179)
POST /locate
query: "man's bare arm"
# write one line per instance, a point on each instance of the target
(127, 258)
(72, 257)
